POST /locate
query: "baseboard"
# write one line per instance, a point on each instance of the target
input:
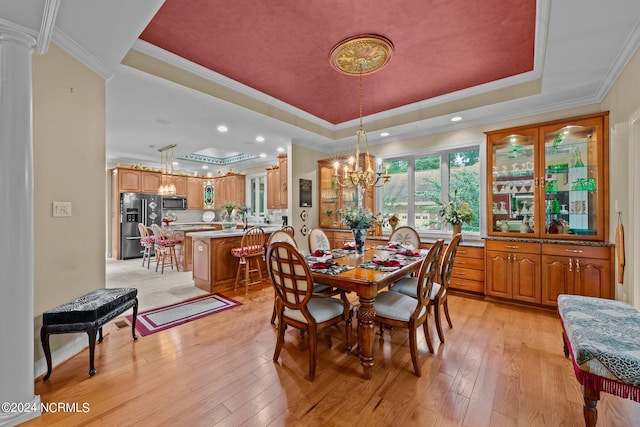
(60, 355)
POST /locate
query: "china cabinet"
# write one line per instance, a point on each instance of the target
(550, 180)
(548, 211)
(333, 196)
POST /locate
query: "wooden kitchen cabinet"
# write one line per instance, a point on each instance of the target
(550, 180)
(229, 188)
(180, 182)
(150, 181)
(277, 184)
(129, 180)
(195, 193)
(513, 271)
(577, 270)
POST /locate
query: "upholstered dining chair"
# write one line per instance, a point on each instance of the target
(318, 240)
(292, 281)
(406, 235)
(438, 296)
(319, 290)
(397, 310)
(165, 248)
(252, 248)
(147, 241)
(289, 229)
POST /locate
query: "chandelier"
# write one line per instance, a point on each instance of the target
(167, 187)
(356, 56)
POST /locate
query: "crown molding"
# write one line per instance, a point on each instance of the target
(47, 26)
(82, 55)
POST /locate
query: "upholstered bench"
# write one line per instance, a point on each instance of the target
(88, 314)
(603, 339)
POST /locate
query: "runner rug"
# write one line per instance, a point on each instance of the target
(159, 319)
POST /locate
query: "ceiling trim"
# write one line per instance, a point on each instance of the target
(627, 51)
(194, 157)
(46, 28)
(82, 55)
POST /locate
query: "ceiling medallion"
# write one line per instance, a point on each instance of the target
(362, 54)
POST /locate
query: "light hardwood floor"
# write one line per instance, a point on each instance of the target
(501, 365)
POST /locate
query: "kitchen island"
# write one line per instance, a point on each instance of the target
(214, 268)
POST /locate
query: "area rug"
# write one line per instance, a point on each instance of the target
(159, 319)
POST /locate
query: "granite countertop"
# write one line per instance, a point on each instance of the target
(552, 241)
(220, 234)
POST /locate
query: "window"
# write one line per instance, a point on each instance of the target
(419, 183)
(256, 195)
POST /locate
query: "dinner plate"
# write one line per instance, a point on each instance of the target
(208, 216)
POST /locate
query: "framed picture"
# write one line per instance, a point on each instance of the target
(305, 193)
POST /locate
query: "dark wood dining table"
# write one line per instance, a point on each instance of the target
(366, 283)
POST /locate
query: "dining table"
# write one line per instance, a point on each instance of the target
(366, 280)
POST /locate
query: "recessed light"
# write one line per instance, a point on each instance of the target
(384, 134)
(222, 128)
(260, 138)
(456, 119)
(280, 150)
(205, 167)
(163, 121)
(263, 155)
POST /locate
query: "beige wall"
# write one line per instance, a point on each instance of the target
(69, 165)
(305, 166)
(623, 103)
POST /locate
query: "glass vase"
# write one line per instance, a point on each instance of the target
(359, 237)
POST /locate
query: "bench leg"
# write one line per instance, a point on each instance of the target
(133, 320)
(591, 398)
(91, 331)
(44, 338)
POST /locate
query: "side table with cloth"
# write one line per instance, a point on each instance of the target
(603, 339)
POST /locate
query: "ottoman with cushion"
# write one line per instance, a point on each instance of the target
(88, 314)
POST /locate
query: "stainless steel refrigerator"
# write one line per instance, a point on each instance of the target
(136, 208)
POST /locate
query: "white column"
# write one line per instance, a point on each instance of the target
(16, 227)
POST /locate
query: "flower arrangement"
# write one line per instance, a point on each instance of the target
(356, 218)
(456, 211)
(228, 206)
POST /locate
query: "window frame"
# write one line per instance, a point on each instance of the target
(444, 153)
(249, 180)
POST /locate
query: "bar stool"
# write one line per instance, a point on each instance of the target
(164, 248)
(251, 249)
(147, 241)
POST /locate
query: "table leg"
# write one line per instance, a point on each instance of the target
(366, 334)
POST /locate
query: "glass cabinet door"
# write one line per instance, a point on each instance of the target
(512, 207)
(572, 180)
(329, 194)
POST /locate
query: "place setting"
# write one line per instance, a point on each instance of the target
(322, 261)
(401, 251)
(383, 262)
(347, 248)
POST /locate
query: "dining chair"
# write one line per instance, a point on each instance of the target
(318, 240)
(292, 281)
(406, 235)
(251, 249)
(398, 310)
(289, 229)
(147, 241)
(319, 290)
(438, 296)
(164, 247)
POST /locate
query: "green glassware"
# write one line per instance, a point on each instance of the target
(590, 184)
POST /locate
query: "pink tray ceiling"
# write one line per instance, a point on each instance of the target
(281, 48)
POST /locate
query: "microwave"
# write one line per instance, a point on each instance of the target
(174, 202)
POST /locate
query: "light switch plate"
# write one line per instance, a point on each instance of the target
(61, 209)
